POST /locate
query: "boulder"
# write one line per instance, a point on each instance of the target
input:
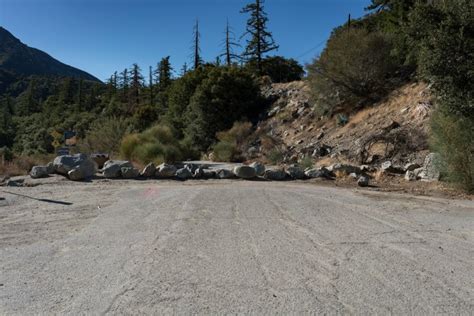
(39, 172)
(50, 168)
(148, 171)
(15, 182)
(295, 172)
(245, 172)
(275, 174)
(225, 174)
(411, 166)
(164, 171)
(184, 174)
(363, 181)
(85, 170)
(411, 175)
(209, 174)
(430, 171)
(389, 167)
(129, 172)
(199, 173)
(347, 169)
(191, 167)
(318, 173)
(64, 164)
(259, 168)
(113, 168)
(100, 159)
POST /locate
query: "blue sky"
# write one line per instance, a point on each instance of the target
(101, 36)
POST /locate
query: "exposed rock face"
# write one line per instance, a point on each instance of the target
(295, 172)
(430, 171)
(148, 171)
(129, 172)
(275, 174)
(184, 174)
(39, 172)
(259, 168)
(113, 168)
(164, 171)
(245, 172)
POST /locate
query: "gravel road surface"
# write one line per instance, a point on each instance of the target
(153, 247)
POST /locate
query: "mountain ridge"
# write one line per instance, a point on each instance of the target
(21, 60)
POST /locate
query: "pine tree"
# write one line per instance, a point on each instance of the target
(184, 69)
(261, 40)
(136, 83)
(124, 84)
(197, 61)
(229, 43)
(151, 86)
(80, 94)
(163, 73)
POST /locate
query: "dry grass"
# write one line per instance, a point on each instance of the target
(23, 164)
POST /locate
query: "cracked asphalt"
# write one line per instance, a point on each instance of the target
(157, 247)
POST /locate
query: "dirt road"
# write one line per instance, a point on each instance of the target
(124, 247)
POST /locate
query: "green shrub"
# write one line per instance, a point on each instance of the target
(306, 162)
(355, 66)
(275, 156)
(156, 144)
(105, 135)
(453, 138)
(232, 142)
(278, 69)
(224, 97)
(225, 151)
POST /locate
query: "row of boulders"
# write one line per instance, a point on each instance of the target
(80, 167)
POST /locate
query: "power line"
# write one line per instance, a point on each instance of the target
(312, 49)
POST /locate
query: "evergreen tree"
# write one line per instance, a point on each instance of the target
(80, 94)
(184, 69)
(136, 83)
(124, 84)
(261, 40)
(163, 73)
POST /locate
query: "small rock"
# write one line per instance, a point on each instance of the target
(148, 171)
(363, 181)
(39, 172)
(76, 174)
(347, 169)
(388, 166)
(411, 166)
(410, 175)
(320, 136)
(15, 183)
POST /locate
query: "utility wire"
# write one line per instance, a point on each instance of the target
(312, 49)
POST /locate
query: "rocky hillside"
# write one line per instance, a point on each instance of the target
(394, 129)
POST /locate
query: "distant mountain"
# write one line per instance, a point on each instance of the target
(18, 59)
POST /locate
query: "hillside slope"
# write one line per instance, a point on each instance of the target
(19, 59)
(394, 129)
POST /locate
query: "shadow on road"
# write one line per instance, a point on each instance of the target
(40, 200)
